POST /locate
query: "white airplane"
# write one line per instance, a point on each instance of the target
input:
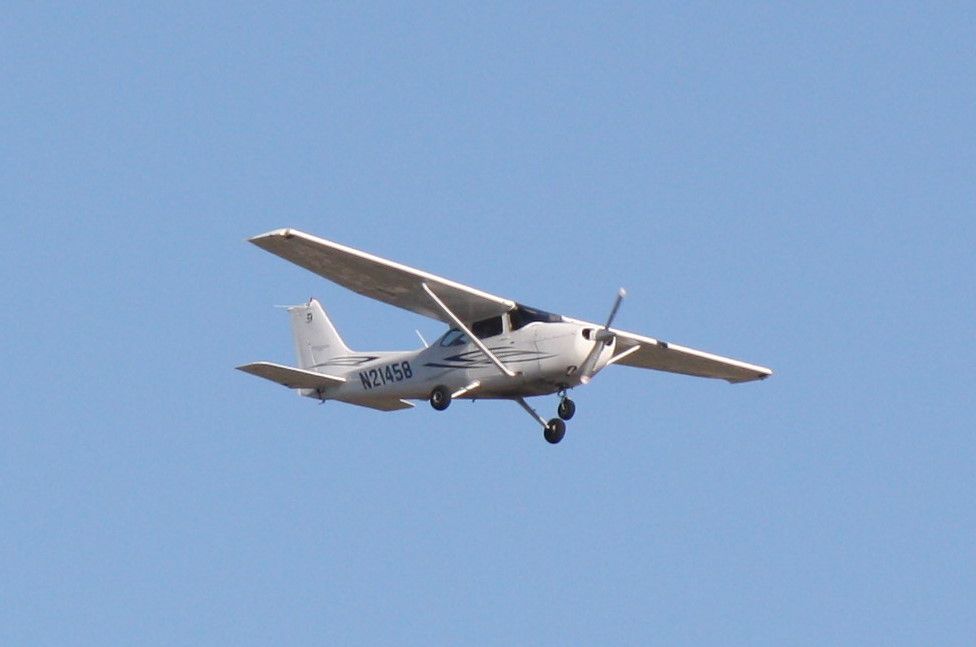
(495, 348)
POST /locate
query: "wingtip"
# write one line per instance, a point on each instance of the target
(761, 373)
(285, 232)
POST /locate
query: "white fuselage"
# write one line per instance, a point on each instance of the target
(546, 358)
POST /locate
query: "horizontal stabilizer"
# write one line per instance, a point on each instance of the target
(383, 405)
(293, 378)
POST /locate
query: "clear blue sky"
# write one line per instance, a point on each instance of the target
(791, 186)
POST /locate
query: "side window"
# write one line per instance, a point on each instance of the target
(523, 316)
(454, 337)
(487, 327)
(515, 320)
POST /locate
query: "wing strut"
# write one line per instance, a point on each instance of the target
(477, 342)
(619, 356)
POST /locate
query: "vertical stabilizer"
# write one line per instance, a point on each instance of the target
(316, 339)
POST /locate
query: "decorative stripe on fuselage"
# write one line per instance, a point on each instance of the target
(477, 359)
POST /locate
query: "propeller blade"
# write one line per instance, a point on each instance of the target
(621, 293)
(586, 370)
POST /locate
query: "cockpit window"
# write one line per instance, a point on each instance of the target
(454, 337)
(487, 327)
(523, 315)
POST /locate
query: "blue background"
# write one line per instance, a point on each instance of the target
(790, 186)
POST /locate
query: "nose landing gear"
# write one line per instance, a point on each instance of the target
(566, 409)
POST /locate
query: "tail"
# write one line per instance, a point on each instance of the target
(316, 339)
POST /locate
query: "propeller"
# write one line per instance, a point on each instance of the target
(601, 337)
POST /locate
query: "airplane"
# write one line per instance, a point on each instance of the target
(495, 348)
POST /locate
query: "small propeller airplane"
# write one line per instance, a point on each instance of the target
(495, 348)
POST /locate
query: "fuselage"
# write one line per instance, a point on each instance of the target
(546, 357)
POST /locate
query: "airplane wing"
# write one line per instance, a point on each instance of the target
(664, 356)
(293, 378)
(381, 279)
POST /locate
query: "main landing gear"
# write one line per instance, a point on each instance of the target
(553, 430)
(440, 398)
(556, 428)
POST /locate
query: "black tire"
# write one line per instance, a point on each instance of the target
(555, 431)
(567, 409)
(440, 398)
